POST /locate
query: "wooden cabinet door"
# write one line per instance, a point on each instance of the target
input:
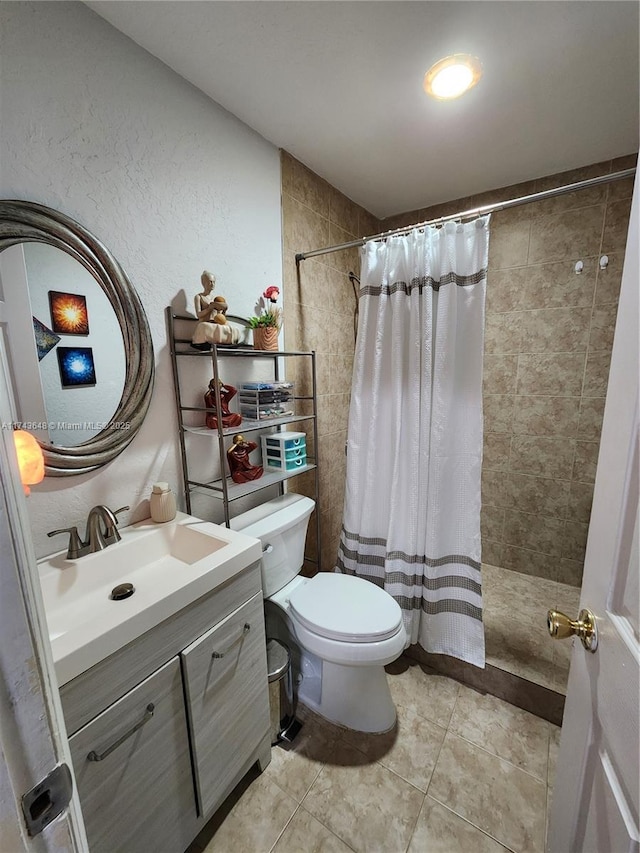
(133, 770)
(227, 699)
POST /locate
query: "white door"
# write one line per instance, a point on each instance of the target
(596, 794)
(33, 740)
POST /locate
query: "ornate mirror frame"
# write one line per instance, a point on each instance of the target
(23, 221)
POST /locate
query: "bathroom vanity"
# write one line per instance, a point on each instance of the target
(163, 728)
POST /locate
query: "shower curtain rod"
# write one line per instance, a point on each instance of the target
(476, 211)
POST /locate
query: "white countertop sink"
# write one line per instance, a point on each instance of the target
(170, 565)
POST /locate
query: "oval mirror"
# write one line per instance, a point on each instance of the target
(77, 338)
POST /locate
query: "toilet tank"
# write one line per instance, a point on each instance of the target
(281, 526)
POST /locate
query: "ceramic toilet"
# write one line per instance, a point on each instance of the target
(347, 628)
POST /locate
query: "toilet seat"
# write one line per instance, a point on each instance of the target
(346, 609)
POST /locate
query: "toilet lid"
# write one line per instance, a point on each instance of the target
(346, 608)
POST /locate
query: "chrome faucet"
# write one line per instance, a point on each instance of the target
(101, 531)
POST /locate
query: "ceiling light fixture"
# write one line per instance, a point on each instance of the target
(452, 76)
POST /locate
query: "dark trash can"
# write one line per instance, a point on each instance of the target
(282, 704)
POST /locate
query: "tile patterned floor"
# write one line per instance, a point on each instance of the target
(461, 771)
(515, 622)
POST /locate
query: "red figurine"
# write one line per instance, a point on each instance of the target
(242, 471)
(227, 393)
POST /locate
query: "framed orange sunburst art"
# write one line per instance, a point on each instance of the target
(68, 313)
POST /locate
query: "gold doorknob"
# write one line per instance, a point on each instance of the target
(560, 627)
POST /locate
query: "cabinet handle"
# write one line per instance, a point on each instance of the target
(245, 631)
(95, 756)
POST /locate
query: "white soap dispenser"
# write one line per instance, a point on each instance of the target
(162, 503)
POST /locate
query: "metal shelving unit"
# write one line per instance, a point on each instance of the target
(224, 488)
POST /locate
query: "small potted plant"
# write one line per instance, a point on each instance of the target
(267, 321)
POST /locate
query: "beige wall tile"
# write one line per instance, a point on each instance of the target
(346, 260)
(538, 495)
(628, 161)
(508, 216)
(324, 376)
(492, 552)
(508, 244)
(502, 333)
(542, 456)
(499, 374)
(579, 504)
(569, 201)
(588, 197)
(315, 329)
(305, 186)
(315, 284)
(506, 289)
(505, 194)
(620, 189)
(584, 466)
(496, 451)
(341, 371)
(529, 562)
(575, 540)
(498, 413)
(572, 234)
(342, 300)
(329, 545)
(492, 523)
(344, 212)
(325, 413)
(404, 220)
(590, 422)
(608, 280)
(555, 330)
(603, 324)
(556, 285)
(534, 532)
(596, 374)
(555, 375)
(570, 571)
(332, 449)
(341, 339)
(368, 225)
(616, 226)
(303, 228)
(546, 415)
(494, 489)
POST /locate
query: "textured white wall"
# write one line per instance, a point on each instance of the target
(96, 128)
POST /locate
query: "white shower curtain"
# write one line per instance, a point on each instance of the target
(411, 520)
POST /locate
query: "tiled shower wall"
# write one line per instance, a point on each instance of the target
(548, 344)
(319, 307)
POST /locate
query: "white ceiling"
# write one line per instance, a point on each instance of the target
(339, 85)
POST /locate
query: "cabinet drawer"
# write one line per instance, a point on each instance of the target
(139, 795)
(227, 696)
